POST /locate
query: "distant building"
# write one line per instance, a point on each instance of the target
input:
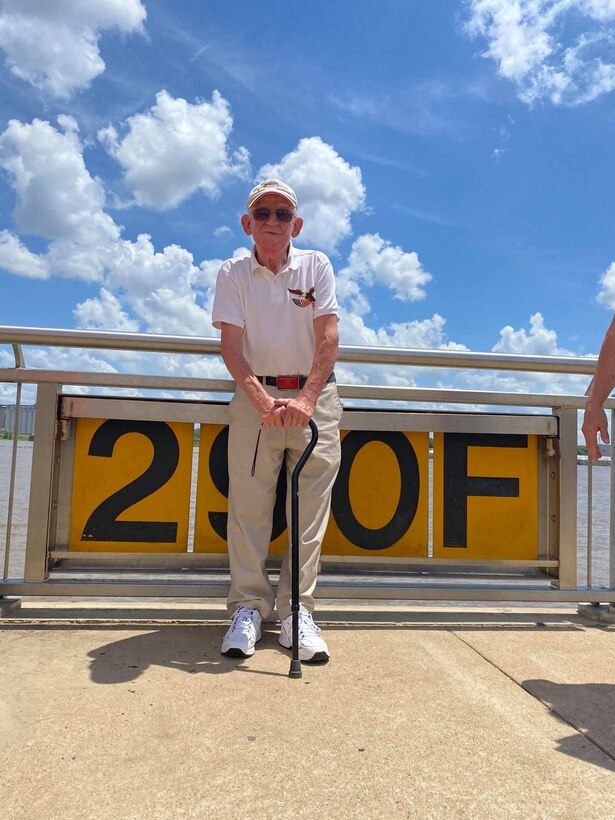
(26, 419)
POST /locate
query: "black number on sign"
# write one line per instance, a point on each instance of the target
(218, 469)
(102, 525)
(353, 530)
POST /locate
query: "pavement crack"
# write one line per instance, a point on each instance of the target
(551, 709)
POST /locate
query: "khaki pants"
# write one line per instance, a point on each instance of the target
(252, 498)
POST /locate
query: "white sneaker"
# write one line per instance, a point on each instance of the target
(243, 633)
(311, 646)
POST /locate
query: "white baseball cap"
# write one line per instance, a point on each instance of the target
(272, 186)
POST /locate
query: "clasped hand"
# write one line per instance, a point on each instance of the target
(289, 413)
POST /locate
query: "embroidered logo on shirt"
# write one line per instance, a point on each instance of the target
(305, 299)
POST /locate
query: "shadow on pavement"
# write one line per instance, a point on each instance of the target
(589, 709)
(185, 649)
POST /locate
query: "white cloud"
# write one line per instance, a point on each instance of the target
(516, 31)
(206, 367)
(430, 334)
(540, 341)
(54, 45)
(176, 149)
(241, 253)
(166, 311)
(59, 200)
(141, 288)
(426, 334)
(209, 268)
(56, 196)
(16, 258)
(68, 359)
(519, 382)
(329, 190)
(209, 272)
(138, 269)
(161, 288)
(373, 261)
(607, 287)
(537, 340)
(223, 230)
(8, 392)
(532, 43)
(104, 312)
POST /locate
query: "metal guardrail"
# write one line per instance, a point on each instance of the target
(400, 583)
(151, 342)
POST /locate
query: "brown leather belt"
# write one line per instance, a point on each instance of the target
(289, 382)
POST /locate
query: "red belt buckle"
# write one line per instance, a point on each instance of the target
(288, 382)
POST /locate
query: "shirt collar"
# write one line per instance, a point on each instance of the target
(292, 263)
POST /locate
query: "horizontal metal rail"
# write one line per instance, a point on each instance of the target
(334, 589)
(158, 343)
(346, 391)
(195, 559)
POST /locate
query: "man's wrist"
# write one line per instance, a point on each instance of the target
(263, 404)
(308, 395)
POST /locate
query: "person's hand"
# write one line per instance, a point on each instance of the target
(275, 417)
(594, 422)
(297, 412)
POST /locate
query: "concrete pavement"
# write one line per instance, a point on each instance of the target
(116, 711)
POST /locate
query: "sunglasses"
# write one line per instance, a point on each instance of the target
(281, 214)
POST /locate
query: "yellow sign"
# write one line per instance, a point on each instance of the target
(485, 496)
(132, 483)
(131, 486)
(211, 516)
(379, 502)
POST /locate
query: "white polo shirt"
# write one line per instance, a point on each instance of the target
(276, 311)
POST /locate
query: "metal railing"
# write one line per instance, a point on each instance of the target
(563, 408)
(152, 343)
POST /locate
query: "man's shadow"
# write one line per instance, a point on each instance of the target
(589, 708)
(190, 649)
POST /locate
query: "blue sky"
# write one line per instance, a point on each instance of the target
(454, 159)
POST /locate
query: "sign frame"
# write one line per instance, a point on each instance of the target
(72, 407)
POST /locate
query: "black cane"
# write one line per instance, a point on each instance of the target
(295, 664)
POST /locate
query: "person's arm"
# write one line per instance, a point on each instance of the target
(231, 347)
(300, 410)
(602, 384)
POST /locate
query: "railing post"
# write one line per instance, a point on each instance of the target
(41, 483)
(568, 498)
(9, 514)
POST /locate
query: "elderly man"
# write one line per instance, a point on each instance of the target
(277, 314)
